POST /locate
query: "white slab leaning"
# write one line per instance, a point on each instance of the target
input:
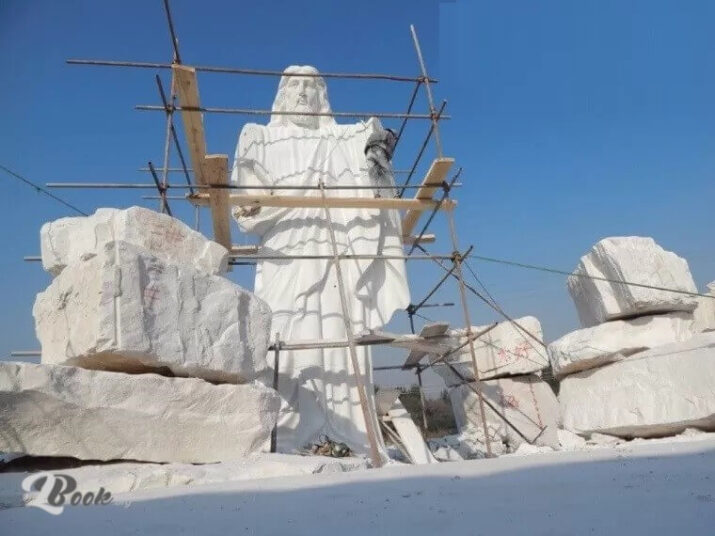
(588, 348)
(410, 435)
(504, 350)
(50, 410)
(71, 240)
(127, 310)
(658, 392)
(632, 259)
(526, 401)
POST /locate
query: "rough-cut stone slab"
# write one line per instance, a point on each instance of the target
(50, 410)
(588, 348)
(130, 311)
(503, 351)
(526, 401)
(633, 259)
(705, 312)
(658, 392)
(71, 240)
(410, 435)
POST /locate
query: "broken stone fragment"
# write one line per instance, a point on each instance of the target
(631, 259)
(48, 410)
(128, 310)
(593, 347)
(659, 392)
(705, 312)
(71, 240)
(509, 348)
(526, 401)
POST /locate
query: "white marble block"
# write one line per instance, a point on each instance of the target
(526, 401)
(48, 410)
(592, 347)
(632, 259)
(504, 350)
(71, 240)
(658, 392)
(127, 310)
(705, 311)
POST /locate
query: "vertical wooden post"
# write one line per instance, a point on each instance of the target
(276, 358)
(422, 397)
(364, 402)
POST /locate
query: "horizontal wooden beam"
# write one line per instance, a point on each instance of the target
(242, 200)
(430, 184)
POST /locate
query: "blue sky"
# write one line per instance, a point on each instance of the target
(572, 120)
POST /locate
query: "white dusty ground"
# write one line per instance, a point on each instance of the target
(642, 488)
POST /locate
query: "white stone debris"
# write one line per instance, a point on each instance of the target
(631, 259)
(50, 410)
(705, 312)
(125, 309)
(468, 444)
(570, 441)
(526, 401)
(410, 435)
(611, 341)
(658, 392)
(72, 240)
(507, 349)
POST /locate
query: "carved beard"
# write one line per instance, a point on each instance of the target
(305, 121)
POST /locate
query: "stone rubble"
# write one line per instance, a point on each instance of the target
(705, 311)
(125, 309)
(70, 241)
(48, 410)
(635, 260)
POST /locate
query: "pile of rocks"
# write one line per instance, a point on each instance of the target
(148, 352)
(643, 366)
(510, 359)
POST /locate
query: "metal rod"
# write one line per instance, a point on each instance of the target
(362, 393)
(346, 256)
(256, 72)
(422, 398)
(191, 187)
(436, 287)
(457, 262)
(175, 169)
(409, 109)
(435, 119)
(249, 111)
(174, 40)
(421, 151)
(276, 357)
(445, 192)
(162, 190)
(167, 141)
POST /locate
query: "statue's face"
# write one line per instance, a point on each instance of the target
(301, 95)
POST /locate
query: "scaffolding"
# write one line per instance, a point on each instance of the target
(210, 188)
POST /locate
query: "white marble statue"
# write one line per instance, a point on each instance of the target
(318, 387)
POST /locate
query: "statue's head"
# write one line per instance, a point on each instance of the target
(301, 94)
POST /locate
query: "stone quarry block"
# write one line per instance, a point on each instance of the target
(48, 410)
(505, 350)
(705, 311)
(526, 401)
(632, 259)
(592, 347)
(658, 392)
(410, 435)
(127, 310)
(71, 240)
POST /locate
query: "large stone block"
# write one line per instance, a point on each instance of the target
(658, 392)
(504, 350)
(705, 311)
(592, 347)
(526, 401)
(127, 310)
(632, 259)
(50, 410)
(71, 240)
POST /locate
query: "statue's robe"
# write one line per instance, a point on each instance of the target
(318, 387)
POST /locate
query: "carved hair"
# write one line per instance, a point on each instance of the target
(279, 104)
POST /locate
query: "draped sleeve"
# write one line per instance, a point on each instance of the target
(249, 169)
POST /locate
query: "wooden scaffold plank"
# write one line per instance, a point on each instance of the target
(188, 91)
(215, 169)
(430, 184)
